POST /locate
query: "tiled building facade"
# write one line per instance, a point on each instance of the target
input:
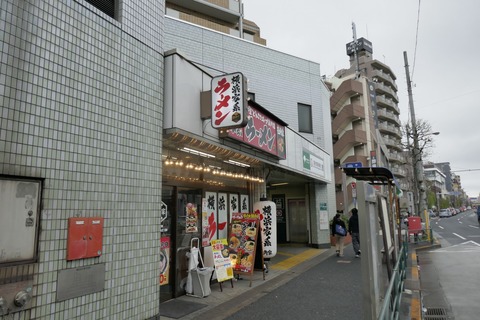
(82, 113)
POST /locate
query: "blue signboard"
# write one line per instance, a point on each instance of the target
(353, 165)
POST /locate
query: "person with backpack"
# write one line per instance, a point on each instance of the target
(339, 231)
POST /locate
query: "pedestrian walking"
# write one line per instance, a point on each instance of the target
(354, 231)
(339, 231)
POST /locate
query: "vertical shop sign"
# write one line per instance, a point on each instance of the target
(229, 101)
(211, 208)
(233, 203)
(164, 260)
(222, 216)
(267, 211)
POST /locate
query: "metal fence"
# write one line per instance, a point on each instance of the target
(393, 296)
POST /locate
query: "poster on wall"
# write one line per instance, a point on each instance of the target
(211, 209)
(244, 207)
(205, 226)
(164, 260)
(191, 220)
(221, 260)
(222, 216)
(324, 223)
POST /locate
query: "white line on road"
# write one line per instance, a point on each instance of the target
(476, 227)
(460, 236)
(441, 227)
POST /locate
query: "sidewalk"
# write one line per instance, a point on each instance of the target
(411, 304)
(290, 261)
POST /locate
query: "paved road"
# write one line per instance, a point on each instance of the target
(313, 294)
(450, 275)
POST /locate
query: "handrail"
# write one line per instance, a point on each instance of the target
(393, 296)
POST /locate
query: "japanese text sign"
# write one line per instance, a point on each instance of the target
(229, 101)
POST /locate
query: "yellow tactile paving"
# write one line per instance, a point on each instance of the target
(415, 307)
(295, 259)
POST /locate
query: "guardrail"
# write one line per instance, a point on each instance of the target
(393, 296)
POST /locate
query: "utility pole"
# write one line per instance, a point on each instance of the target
(417, 153)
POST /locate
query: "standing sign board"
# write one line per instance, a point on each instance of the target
(221, 260)
(244, 241)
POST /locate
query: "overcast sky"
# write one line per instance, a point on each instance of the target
(444, 59)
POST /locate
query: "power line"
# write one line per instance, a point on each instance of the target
(416, 39)
(465, 170)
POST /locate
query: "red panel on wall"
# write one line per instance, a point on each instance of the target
(85, 238)
(95, 237)
(77, 238)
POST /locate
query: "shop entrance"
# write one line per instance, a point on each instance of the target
(178, 201)
(297, 221)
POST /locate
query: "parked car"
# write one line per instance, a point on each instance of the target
(445, 213)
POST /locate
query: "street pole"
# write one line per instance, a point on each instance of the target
(417, 154)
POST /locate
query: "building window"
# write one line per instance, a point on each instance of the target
(106, 6)
(251, 96)
(305, 118)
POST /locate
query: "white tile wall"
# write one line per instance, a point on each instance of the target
(81, 106)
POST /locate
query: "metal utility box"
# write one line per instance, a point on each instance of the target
(85, 238)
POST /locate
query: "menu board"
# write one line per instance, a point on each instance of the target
(221, 260)
(244, 236)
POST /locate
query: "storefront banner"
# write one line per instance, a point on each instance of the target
(222, 216)
(261, 132)
(244, 205)
(164, 260)
(243, 241)
(191, 220)
(233, 203)
(267, 211)
(211, 209)
(221, 260)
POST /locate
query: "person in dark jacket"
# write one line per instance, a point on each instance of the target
(354, 231)
(337, 225)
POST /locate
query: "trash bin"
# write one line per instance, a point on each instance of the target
(201, 281)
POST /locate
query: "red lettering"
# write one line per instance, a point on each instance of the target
(223, 103)
(222, 86)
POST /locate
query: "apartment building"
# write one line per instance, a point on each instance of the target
(365, 118)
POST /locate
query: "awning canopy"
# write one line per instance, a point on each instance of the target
(374, 175)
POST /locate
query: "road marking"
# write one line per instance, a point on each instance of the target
(441, 227)
(460, 236)
(476, 227)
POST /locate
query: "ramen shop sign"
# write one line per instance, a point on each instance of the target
(229, 101)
